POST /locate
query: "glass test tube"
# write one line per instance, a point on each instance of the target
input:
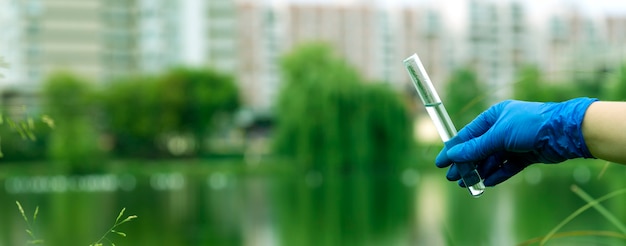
(441, 119)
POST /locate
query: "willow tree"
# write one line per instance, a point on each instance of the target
(73, 143)
(349, 140)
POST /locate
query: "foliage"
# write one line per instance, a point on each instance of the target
(117, 223)
(192, 99)
(73, 144)
(589, 84)
(590, 202)
(616, 85)
(340, 131)
(24, 140)
(530, 86)
(36, 240)
(30, 231)
(465, 96)
(142, 110)
(131, 109)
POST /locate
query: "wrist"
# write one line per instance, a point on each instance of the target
(566, 126)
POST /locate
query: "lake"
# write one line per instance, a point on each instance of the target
(231, 203)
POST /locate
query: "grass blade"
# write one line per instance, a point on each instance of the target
(601, 209)
(129, 218)
(38, 241)
(19, 206)
(35, 214)
(119, 233)
(576, 234)
(604, 168)
(48, 121)
(120, 215)
(578, 212)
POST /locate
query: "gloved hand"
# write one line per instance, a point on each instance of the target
(512, 135)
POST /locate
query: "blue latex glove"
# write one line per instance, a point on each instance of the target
(512, 135)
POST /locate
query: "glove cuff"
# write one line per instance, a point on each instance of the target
(567, 123)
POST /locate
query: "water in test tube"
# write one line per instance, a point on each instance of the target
(440, 117)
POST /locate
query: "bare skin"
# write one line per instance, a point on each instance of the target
(605, 132)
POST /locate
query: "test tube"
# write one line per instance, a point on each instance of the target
(441, 119)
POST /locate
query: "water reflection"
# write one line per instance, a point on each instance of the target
(225, 207)
(60, 184)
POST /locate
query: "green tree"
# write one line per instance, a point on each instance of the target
(131, 106)
(193, 99)
(23, 135)
(589, 83)
(530, 85)
(616, 85)
(349, 137)
(143, 111)
(74, 140)
(465, 96)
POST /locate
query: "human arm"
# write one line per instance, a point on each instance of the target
(604, 130)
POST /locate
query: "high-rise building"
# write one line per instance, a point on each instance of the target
(102, 40)
(616, 37)
(94, 39)
(51, 35)
(496, 45)
(120, 20)
(158, 34)
(259, 46)
(374, 40)
(105, 39)
(221, 35)
(576, 45)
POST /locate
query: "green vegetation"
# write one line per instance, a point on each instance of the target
(615, 88)
(117, 223)
(134, 117)
(143, 110)
(530, 85)
(73, 144)
(34, 239)
(341, 132)
(465, 96)
(342, 145)
(590, 202)
(30, 231)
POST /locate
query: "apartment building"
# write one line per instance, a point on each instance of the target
(52, 35)
(375, 40)
(221, 38)
(105, 39)
(616, 38)
(100, 40)
(497, 44)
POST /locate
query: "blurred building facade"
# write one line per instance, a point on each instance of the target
(575, 43)
(102, 40)
(43, 36)
(496, 34)
(375, 40)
